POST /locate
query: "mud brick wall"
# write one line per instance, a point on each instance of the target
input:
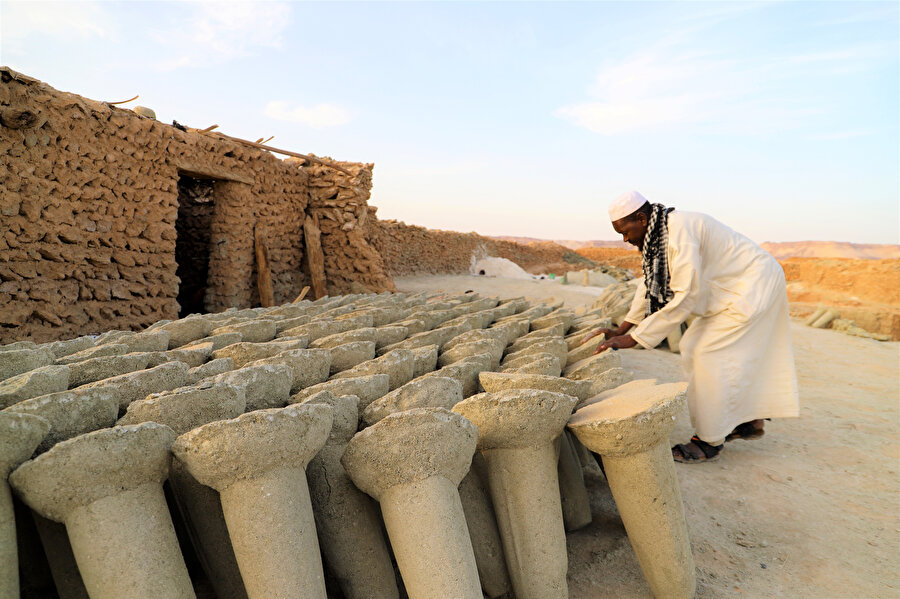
(412, 250)
(88, 207)
(338, 205)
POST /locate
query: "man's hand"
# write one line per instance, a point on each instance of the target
(620, 342)
(608, 332)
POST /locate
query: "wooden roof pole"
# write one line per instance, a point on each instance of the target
(254, 144)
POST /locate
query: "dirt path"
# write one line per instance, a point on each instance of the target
(812, 509)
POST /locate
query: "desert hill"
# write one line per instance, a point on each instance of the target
(569, 243)
(832, 249)
(781, 250)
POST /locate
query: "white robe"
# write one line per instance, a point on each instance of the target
(737, 352)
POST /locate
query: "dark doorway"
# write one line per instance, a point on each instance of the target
(195, 215)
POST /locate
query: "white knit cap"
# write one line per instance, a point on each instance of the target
(625, 204)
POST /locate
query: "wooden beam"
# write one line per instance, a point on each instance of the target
(314, 257)
(208, 171)
(263, 274)
(303, 293)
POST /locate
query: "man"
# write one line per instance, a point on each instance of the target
(737, 350)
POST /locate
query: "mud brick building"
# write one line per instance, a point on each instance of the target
(110, 220)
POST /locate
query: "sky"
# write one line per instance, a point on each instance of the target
(781, 119)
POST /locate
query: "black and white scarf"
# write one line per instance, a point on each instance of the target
(653, 258)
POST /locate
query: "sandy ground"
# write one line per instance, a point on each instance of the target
(812, 509)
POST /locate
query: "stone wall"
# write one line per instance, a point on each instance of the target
(89, 203)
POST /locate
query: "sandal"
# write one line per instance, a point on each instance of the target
(696, 451)
(746, 431)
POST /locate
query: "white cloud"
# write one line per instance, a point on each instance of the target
(861, 52)
(722, 12)
(679, 82)
(216, 32)
(21, 22)
(886, 12)
(613, 118)
(662, 88)
(320, 116)
(847, 60)
(841, 135)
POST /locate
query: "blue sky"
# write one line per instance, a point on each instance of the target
(779, 118)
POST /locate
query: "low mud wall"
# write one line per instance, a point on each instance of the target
(412, 250)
